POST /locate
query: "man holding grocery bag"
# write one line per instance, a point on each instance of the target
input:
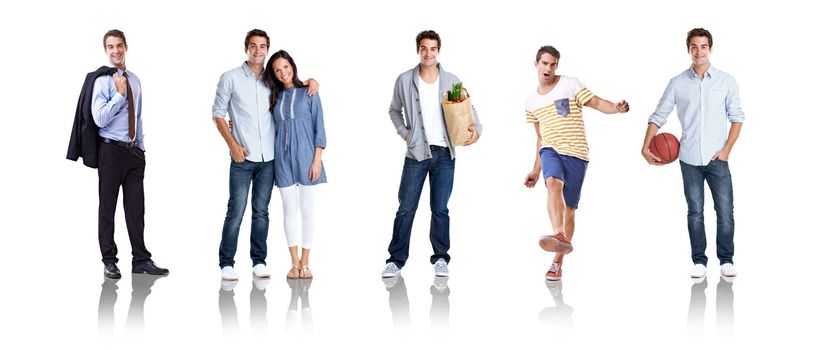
(421, 116)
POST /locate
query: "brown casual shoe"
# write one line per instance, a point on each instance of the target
(557, 243)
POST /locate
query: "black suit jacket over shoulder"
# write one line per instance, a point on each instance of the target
(83, 141)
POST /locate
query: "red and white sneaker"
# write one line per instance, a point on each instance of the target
(554, 273)
(557, 243)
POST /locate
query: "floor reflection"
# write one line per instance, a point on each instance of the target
(106, 305)
(724, 308)
(440, 307)
(696, 308)
(296, 320)
(258, 305)
(560, 315)
(141, 288)
(227, 308)
(399, 302)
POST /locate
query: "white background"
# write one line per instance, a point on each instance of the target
(626, 281)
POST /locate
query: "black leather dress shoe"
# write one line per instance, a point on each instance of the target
(111, 271)
(149, 267)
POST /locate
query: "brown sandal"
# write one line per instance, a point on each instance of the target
(306, 272)
(294, 272)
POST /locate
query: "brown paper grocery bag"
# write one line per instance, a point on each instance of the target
(458, 117)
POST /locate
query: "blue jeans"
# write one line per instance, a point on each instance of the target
(441, 169)
(262, 176)
(717, 174)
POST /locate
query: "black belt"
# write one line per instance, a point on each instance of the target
(435, 147)
(127, 145)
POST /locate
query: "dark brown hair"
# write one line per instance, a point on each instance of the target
(255, 32)
(275, 85)
(115, 33)
(427, 34)
(699, 32)
(548, 49)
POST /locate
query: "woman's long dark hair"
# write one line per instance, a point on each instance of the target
(275, 85)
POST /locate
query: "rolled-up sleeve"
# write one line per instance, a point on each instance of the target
(665, 106)
(733, 106)
(222, 95)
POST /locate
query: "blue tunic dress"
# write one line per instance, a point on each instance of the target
(299, 128)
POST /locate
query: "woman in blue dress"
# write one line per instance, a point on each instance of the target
(300, 140)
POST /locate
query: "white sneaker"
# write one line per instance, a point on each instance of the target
(228, 273)
(260, 283)
(728, 270)
(698, 271)
(440, 267)
(260, 271)
(227, 285)
(390, 270)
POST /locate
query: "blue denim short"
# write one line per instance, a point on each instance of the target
(569, 169)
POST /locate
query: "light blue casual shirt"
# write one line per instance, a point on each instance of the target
(246, 101)
(110, 109)
(705, 107)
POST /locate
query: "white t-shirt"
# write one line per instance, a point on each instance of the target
(430, 101)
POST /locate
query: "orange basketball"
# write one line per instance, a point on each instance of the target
(665, 146)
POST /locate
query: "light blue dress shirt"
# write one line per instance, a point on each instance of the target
(246, 101)
(110, 109)
(705, 108)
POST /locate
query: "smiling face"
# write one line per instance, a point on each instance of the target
(256, 51)
(546, 68)
(283, 71)
(700, 50)
(428, 52)
(115, 49)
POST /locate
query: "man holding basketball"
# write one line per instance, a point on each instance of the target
(555, 109)
(706, 100)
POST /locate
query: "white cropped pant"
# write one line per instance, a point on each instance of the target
(294, 198)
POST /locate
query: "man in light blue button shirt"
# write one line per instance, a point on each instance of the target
(116, 109)
(243, 96)
(707, 101)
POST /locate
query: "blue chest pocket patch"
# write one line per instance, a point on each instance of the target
(562, 107)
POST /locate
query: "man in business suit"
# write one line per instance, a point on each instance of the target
(116, 109)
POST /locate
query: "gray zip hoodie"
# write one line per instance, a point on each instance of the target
(405, 96)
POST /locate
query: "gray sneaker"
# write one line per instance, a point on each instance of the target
(390, 270)
(440, 283)
(390, 282)
(440, 267)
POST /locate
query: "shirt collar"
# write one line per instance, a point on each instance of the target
(120, 71)
(710, 73)
(248, 72)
